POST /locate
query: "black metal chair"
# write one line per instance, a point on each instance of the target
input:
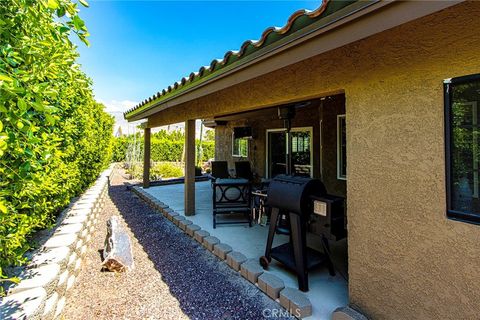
(220, 170)
(243, 170)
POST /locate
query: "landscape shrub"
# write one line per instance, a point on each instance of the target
(54, 138)
(208, 150)
(164, 170)
(166, 150)
(119, 149)
(135, 170)
(162, 149)
(158, 171)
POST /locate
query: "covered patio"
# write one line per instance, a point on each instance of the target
(296, 135)
(326, 292)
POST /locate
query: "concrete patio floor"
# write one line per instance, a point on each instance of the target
(326, 292)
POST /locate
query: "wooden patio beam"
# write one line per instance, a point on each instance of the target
(146, 158)
(189, 168)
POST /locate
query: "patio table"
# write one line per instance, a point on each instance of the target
(231, 196)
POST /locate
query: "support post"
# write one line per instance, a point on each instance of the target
(146, 158)
(189, 167)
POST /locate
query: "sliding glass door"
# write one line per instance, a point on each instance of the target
(301, 152)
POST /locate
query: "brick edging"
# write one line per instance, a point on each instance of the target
(46, 282)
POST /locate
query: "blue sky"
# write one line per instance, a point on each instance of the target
(140, 47)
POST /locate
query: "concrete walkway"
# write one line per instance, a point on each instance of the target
(326, 292)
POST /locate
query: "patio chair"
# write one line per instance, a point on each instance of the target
(220, 170)
(243, 170)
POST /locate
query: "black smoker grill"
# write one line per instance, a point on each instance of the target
(292, 195)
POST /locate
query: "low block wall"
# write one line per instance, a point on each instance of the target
(51, 273)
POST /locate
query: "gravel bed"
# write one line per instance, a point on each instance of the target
(174, 276)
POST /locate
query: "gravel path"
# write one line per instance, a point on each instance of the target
(174, 276)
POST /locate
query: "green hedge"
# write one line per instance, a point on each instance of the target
(162, 149)
(54, 138)
(164, 170)
(166, 150)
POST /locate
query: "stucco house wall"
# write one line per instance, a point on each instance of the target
(406, 259)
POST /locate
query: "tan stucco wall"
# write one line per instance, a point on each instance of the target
(406, 260)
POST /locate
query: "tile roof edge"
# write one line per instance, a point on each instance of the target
(218, 64)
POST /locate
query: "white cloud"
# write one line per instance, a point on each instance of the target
(115, 106)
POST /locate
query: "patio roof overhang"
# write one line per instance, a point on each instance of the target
(332, 25)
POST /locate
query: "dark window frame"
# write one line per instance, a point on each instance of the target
(340, 152)
(473, 218)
